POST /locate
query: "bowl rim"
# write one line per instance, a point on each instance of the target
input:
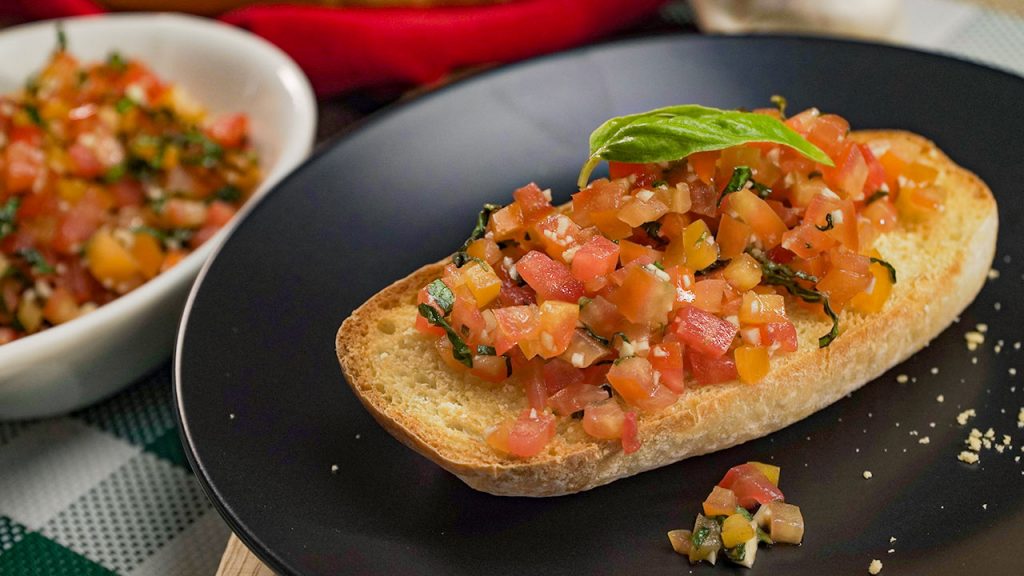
(293, 152)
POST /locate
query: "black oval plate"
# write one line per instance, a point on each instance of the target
(265, 412)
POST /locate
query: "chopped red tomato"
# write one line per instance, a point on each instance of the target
(630, 433)
(750, 486)
(550, 279)
(524, 436)
(702, 331)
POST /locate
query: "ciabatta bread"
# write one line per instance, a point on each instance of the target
(396, 372)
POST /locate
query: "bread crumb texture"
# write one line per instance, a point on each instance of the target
(398, 376)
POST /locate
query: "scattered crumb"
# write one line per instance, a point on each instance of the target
(931, 424)
(974, 443)
(912, 433)
(990, 433)
(892, 539)
(1007, 440)
(891, 550)
(975, 338)
(1012, 371)
(875, 567)
(974, 360)
(1000, 448)
(924, 440)
(967, 457)
(1020, 418)
(981, 327)
(966, 415)
(993, 274)
(984, 506)
(902, 378)
(935, 370)
(868, 474)
(358, 436)
(940, 398)
(1016, 345)
(334, 468)
(231, 416)
(997, 306)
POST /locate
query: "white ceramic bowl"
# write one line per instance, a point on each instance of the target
(227, 70)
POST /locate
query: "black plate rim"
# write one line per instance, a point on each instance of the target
(248, 537)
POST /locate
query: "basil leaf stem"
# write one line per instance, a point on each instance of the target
(478, 232)
(460, 351)
(876, 195)
(675, 132)
(781, 275)
(780, 102)
(889, 267)
(36, 261)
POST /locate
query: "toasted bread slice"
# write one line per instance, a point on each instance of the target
(396, 373)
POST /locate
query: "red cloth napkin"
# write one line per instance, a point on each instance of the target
(345, 48)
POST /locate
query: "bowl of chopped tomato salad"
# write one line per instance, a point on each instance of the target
(128, 147)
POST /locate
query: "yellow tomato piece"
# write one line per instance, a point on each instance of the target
(752, 363)
(699, 246)
(71, 189)
(762, 308)
(736, 530)
(721, 502)
(507, 223)
(30, 315)
(482, 282)
(148, 254)
(109, 261)
(485, 249)
(743, 272)
(878, 291)
(770, 472)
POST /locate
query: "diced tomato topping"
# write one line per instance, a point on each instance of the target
(576, 397)
(630, 433)
(514, 324)
(533, 203)
(524, 436)
(229, 131)
(703, 332)
(710, 369)
(604, 419)
(646, 174)
(750, 486)
(633, 379)
(597, 257)
(667, 361)
(551, 280)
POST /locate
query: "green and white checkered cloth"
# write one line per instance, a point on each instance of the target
(107, 490)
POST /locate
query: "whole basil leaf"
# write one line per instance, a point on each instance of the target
(675, 132)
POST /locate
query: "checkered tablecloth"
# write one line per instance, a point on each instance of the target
(107, 490)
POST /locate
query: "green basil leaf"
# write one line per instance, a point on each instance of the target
(481, 225)
(829, 224)
(740, 176)
(36, 261)
(834, 332)
(442, 295)
(675, 132)
(482, 350)
(7, 213)
(889, 267)
(876, 195)
(460, 350)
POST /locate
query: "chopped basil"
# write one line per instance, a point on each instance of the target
(7, 213)
(114, 173)
(762, 190)
(208, 153)
(737, 553)
(813, 174)
(36, 261)
(828, 223)
(744, 512)
(659, 183)
(876, 195)
(778, 274)
(763, 536)
(33, 115)
(442, 295)
(228, 193)
(780, 102)
(700, 535)
(460, 351)
(577, 415)
(834, 332)
(606, 387)
(594, 335)
(889, 267)
(652, 229)
(711, 267)
(658, 265)
(583, 301)
(482, 350)
(149, 230)
(62, 38)
(117, 62)
(740, 176)
(481, 224)
(124, 104)
(621, 335)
